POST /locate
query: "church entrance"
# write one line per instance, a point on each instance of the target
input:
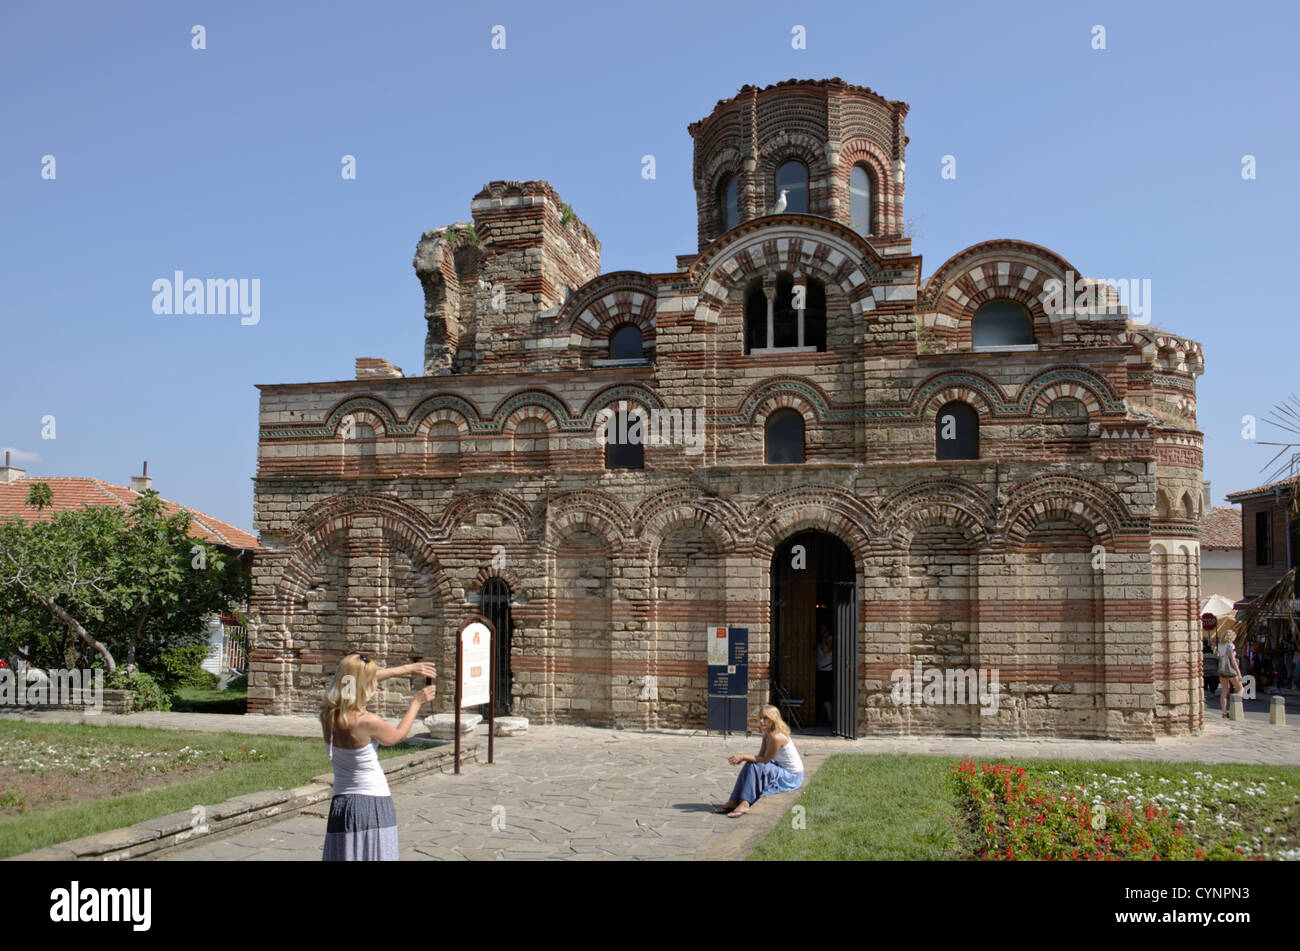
(815, 633)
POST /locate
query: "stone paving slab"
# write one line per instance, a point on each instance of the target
(580, 793)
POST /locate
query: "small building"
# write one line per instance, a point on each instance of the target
(1221, 552)
(1270, 543)
(74, 492)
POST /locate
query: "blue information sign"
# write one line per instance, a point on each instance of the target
(728, 685)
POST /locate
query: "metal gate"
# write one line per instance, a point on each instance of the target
(496, 608)
(846, 660)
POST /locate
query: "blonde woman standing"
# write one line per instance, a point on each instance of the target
(362, 822)
(776, 769)
(1229, 669)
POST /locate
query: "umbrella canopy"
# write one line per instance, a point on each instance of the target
(1217, 605)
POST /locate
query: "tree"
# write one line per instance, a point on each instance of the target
(110, 584)
(1279, 600)
(39, 496)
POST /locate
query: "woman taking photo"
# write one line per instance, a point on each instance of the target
(777, 768)
(362, 822)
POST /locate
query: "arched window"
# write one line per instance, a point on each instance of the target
(792, 177)
(626, 344)
(625, 440)
(784, 437)
(1001, 323)
(956, 432)
(729, 202)
(860, 200)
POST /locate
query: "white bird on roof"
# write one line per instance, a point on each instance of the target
(780, 202)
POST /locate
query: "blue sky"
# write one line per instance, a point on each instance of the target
(225, 162)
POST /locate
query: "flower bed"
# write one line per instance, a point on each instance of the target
(1017, 816)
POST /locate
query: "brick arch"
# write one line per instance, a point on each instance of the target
(445, 407)
(783, 147)
(534, 402)
(797, 393)
(983, 395)
(825, 250)
(608, 299)
(1098, 511)
(434, 417)
(531, 411)
(401, 524)
(634, 393)
(926, 502)
(1045, 263)
(505, 574)
(829, 509)
(725, 161)
(994, 270)
(686, 504)
(864, 152)
(591, 510)
(1090, 389)
(468, 504)
(369, 410)
(593, 327)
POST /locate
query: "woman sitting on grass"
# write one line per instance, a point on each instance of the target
(362, 822)
(777, 768)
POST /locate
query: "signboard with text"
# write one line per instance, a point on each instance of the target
(475, 664)
(728, 678)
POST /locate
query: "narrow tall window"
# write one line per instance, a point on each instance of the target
(1001, 323)
(626, 343)
(792, 177)
(1263, 538)
(784, 437)
(625, 441)
(860, 200)
(729, 199)
(956, 432)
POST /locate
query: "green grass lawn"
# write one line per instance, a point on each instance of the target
(210, 700)
(92, 763)
(907, 807)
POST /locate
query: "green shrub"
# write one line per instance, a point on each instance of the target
(181, 667)
(238, 683)
(149, 693)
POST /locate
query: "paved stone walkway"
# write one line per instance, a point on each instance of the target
(581, 794)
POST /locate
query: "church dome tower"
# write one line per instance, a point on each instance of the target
(835, 149)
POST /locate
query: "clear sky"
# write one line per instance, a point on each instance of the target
(225, 162)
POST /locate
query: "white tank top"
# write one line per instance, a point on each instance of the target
(787, 757)
(357, 772)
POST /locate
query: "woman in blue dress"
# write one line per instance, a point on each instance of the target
(776, 769)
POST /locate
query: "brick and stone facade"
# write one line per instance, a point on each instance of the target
(1064, 554)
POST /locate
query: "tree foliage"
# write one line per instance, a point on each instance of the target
(99, 584)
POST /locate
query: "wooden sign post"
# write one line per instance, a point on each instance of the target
(476, 674)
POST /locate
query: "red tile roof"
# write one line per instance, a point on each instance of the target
(72, 492)
(1221, 527)
(1246, 493)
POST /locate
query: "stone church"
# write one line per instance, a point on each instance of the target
(796, 431)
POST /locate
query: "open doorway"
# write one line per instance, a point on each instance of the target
(814, 601)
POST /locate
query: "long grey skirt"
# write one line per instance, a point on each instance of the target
(361, 829)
